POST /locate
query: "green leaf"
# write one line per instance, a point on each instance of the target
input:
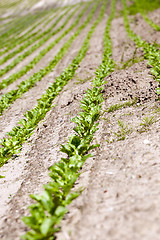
(60, 211)
(158, 90)
(47, 226)
(71, 196)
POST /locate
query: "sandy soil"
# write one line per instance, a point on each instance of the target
(121, 182)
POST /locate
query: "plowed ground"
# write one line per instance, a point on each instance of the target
(121, 196)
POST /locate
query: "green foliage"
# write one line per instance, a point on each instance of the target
(123, 131)
(146, 5)
(116, 107)
(17, 26)
(134, 59)
(50, 207)
(25, 127)
(44, 36)
(151, 52)
(22, 38)
(147, 121)
(8, 98)
(5, 82)
(14, 41)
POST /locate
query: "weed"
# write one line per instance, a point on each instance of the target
(81, 81)
(157, 110)
(123, 131)
(147, 121)
(116, 107)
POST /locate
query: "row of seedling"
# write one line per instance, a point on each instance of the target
(151, 51)
(51, 205)
(26, 126)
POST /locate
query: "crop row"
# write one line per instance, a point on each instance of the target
(20, 133)
(8, 4)
(8, 98)
(147, 19)
(13, 42)
(18, 26)
(151, 52)
(46, 35)
(10, 26)
(51, 206)
(5, 82)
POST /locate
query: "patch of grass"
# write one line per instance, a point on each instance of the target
(157, 110)
(81, 81)
(123, 131)
(106, 119)
(116, 107)
(132, 60)
(146, 123)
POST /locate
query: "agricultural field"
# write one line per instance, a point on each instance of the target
(80, 120)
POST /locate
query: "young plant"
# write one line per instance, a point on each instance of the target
(123, 131)
(50, 208)
(26, 126)
(151, 52)
(116, 107)
(5, 82)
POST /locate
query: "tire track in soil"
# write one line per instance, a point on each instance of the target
(29, 99)
(43, 149)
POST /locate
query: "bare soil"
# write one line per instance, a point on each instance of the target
(121, 183)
